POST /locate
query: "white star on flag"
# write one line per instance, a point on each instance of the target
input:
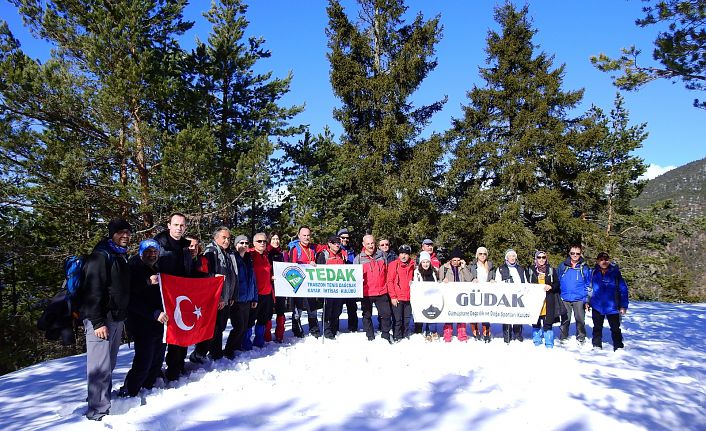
(197, 312)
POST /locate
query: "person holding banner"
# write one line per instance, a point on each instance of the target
(145, 320)
(374, 289)
(481, 271)
(303, 251)
(452, 271)
(245, 299)
(399, 276)
(175, 258)
(426, 272)
(543, 273)
(276, 254)
(333, 254)
(219, 260)
(511, 272)
(351, 303)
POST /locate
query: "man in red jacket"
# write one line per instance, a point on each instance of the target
(263, 280)
(374, 288)
(399, 276)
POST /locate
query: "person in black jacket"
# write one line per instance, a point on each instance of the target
(220, 260)
(511, 272)
(104, 296)
(175, 259)
(145, 320)
(543, 273)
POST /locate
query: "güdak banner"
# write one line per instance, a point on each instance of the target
(476, 302)
(318, 281)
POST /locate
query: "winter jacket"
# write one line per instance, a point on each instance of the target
(574, 282)
(473, 267)
(219, 261)
(609, 290)
(555, 307)
(299, 254)
(399, 277)
(446, 273)
(145, 300)
(504, 275)
(389, 256)
(328, 257)
(106, 285)
(263, 272)
(174, 256)
(374, 273)
(247, 290)
(430, 276)
(350, 252)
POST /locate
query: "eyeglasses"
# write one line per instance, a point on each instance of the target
(484, 254)
(384, 245)
(244, 242)
(541, 257)
(260, 241)
(573, 253)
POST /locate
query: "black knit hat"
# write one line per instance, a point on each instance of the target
(116, 225)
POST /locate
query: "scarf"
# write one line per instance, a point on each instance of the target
(116, 248)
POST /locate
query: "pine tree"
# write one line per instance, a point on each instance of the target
(376, 66)
(242, 109)
(512, 150)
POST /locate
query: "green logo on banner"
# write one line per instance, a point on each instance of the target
(294, 276)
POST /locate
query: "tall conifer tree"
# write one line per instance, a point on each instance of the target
(512, 149)
(377, 64)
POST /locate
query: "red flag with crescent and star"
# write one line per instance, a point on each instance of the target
(191, 305)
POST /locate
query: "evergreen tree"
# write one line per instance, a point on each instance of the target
(376, 65)
(680, 49)
(509, 180)
(242, 109)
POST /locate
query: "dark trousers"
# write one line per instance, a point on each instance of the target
(239, 316)
(333, 307)
(352, 310)
(215, 344)
(615, 333)
(147, 362)
(403, 314)
(263, 313)
(382, 303)
(175, 361)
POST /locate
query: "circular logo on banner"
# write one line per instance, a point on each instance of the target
(295, 277)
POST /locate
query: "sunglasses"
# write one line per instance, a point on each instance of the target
(345, 237)
(244, 242)
(384, 245)
(484, 254)
(261, 241)
(573, 253)
(541, 257)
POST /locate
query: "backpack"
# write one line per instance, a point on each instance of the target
(61, 316)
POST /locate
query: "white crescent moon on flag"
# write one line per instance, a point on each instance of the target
(177, 314)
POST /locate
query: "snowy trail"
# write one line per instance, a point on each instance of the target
(656, 383)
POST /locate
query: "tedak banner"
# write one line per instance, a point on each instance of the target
(191, 304)
(476, 302)
(318, 281)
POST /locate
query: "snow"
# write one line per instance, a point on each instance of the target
(655, 383)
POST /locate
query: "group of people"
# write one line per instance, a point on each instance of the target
(118, 291)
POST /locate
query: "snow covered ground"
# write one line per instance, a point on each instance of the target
(656, 383)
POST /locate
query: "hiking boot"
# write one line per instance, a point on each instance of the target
(435, 336)
(486, 338)
(428, 338)
(197, 358)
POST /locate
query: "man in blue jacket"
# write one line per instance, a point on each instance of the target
(574, 279)
(609, 299)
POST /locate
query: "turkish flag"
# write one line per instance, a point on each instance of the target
(191, 304)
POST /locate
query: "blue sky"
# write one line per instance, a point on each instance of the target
(572, 31)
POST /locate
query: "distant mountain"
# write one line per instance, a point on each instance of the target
(685, 186)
